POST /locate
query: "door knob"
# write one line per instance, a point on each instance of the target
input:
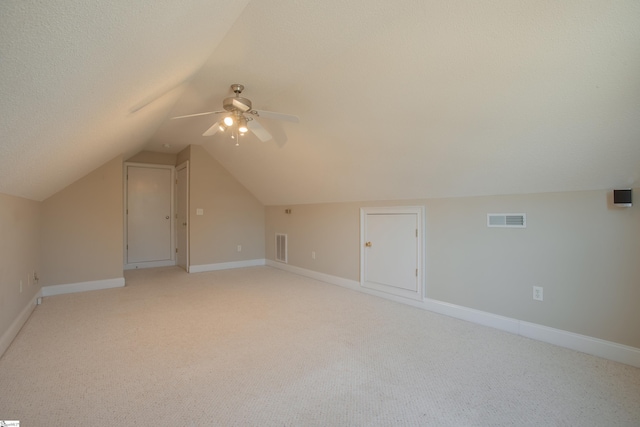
(368, 244)
(166, 217)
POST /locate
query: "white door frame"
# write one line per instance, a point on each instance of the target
(390, 210)
(184, 165)
(128, 266)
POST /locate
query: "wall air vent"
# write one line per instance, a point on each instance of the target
(281, 247)
(507, 220)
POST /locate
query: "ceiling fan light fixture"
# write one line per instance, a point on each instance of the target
(242, 125)
(234, 119)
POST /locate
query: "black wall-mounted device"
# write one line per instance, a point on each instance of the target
(622, 197)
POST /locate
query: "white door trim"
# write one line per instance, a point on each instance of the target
(184, 165)
(128, 266)
(390, 210)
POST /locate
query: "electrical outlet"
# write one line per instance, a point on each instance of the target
(313, 255)
(239, 248)
(537, 293)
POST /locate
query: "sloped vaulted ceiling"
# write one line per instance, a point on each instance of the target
(405, 99)
(73, 72)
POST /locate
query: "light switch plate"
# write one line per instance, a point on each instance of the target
(199, 211)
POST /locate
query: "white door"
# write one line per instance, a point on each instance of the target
(148, 212)
(391, 251)
(182, 210)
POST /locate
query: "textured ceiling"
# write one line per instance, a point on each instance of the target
(73, 71)
(397, 100)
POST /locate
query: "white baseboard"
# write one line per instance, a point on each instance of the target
(586, 344)
(583, 343)
(94, 285)
(479, 317)
(225, 265)
(18, 323)
(334, 280)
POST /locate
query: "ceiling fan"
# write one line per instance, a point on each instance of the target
(240, 117)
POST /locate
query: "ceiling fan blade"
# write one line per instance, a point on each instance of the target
(212, 130)
(197, 114)
(258, 130)
(276, 116)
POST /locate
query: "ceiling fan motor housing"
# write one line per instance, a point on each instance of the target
(236, 103)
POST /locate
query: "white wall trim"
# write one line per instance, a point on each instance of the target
(583, 343)
(225, 265)
(94, 285)
(586, 344)
(18, 323)
(181, 166)
(334, 280)
(479, 317)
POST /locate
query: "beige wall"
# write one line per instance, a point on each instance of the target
(76, 235)
(154, 158)
(183, 156)
(232, 215)
(580, 249)
(19, 256)
(330, 230)
(82, 229)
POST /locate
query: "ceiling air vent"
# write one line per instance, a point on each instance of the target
(507, 220)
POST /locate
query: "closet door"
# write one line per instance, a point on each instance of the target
(391, 250)
(149, 216)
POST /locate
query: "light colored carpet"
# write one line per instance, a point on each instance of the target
(262, 347)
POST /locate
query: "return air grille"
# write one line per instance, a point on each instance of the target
(281, 247)
(507, 220)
